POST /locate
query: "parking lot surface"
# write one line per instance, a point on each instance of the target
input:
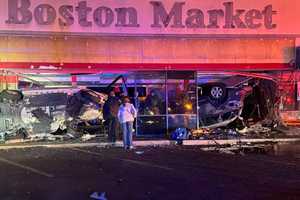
(145, 173)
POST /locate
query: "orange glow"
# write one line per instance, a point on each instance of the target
(188, 106)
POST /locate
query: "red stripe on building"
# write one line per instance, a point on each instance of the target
(115, 67)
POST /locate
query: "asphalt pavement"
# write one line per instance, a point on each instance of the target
(171, 172)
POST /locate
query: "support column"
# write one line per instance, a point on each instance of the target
(74, 80)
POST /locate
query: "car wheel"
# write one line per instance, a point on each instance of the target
(217, 92)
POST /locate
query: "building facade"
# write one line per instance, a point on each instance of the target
(163, 45)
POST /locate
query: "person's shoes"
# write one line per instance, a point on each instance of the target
(131, 147)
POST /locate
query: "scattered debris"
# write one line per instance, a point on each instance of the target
(226, 151)
(87, 137)
(139, 152)
(98, 196)
(44, 137)
(180, 134)
(199, 133)
(258, 128)
(242, 148)
(2, 137)
(120, 181)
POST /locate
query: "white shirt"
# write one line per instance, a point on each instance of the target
(126, 113)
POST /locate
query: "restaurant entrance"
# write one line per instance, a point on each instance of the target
(165, 101)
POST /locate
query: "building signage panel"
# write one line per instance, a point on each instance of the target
(150, 17)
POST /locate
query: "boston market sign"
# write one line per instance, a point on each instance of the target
(142, 17)
(20, 12)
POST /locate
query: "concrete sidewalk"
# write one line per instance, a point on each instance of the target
(153, 143)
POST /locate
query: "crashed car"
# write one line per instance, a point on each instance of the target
(225, 98)
(10, 113)
(49, 111)
(35, 111)
(84, 111)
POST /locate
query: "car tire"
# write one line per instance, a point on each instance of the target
(217, 92)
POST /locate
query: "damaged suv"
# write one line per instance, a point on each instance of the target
(224, 98)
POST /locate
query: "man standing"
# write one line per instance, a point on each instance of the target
(110, 115)
(127, 114)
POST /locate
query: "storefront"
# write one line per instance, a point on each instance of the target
(163, 48)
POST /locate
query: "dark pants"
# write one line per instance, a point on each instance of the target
(112, 124)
